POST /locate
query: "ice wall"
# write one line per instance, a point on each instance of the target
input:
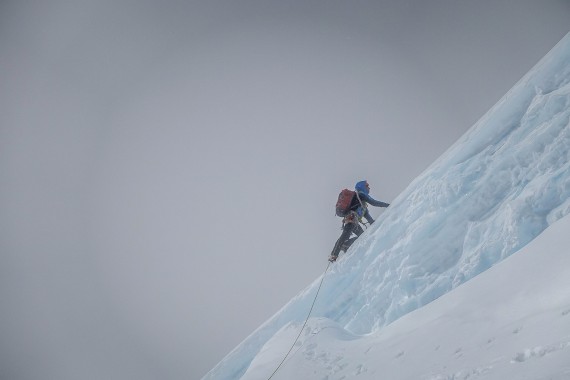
(491, 193)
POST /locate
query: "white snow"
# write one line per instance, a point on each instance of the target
(510, 322)
(498, 188)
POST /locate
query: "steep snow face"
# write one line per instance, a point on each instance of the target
(496, 189)
(511, 322)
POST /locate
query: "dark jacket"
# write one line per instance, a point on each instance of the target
(362, 200)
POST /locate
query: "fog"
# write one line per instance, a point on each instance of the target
(154, 156)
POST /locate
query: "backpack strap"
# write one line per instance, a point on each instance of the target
(362, 204)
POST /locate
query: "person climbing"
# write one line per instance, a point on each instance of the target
(353, 206)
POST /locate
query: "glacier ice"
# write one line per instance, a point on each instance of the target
(487, 196)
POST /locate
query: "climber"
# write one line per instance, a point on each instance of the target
(353, 206)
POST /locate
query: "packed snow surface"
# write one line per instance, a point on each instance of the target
(511, 322)
(500, 186)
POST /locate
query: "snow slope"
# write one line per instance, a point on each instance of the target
(504, 182)
(511, 322)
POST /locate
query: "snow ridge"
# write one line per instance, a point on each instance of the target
(491, 193)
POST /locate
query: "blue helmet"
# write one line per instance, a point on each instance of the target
(362, 187)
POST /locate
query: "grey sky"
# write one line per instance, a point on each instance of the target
(169, 169)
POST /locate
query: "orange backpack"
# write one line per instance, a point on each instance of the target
(344, 201)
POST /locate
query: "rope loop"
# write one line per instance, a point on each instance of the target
(305, 324)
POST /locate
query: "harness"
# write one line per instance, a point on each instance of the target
(353, 216)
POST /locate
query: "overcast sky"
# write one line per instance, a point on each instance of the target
(169, 169)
